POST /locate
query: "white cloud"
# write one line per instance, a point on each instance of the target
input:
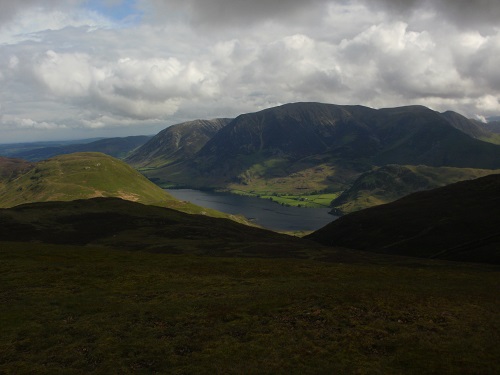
(74, 68)
(9, 122)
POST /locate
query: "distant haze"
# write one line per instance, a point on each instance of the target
(81, 69)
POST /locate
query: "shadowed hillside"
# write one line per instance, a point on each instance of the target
(177, 142)
(456, 222)
(11, 168)
(127, 225)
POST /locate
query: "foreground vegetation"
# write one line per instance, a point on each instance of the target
(79, 310)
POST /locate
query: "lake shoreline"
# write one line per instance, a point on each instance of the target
(264, 212)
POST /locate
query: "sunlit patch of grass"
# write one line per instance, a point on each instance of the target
(309, 200)
(305, 200)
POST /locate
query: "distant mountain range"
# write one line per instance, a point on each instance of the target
(301, 148)
(118, 147)
(455, 222)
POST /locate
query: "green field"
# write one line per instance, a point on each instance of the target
(81, 310)
(306, 200)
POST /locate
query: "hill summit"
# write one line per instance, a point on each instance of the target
(83, 176)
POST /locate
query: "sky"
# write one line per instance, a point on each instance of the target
(72, 69)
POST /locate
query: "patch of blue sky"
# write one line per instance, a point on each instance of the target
(116, 10)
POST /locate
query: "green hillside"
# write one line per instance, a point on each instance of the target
(388, 183)
(79, 176)
(89, 175)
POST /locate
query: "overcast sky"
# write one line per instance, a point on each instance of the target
(85, 68)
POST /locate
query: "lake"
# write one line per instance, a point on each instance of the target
(264, 212)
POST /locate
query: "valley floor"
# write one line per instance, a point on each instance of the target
(81, 310)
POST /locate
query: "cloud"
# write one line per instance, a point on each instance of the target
(10, 9)
(221, 13)
(224, 13)
(463, 13)
(75, 70)
(141, 88)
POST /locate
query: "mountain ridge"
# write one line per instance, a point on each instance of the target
(331, 144)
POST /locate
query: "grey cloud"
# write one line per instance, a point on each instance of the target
(463, 13)
(241, 13)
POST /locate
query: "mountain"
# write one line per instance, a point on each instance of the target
(417, 135)
(390, 182)
(177, 142)
(118, 147)
(294, 130)
(454, 222)
(82, 176)
(305, 147)
(299, 130)
(471, 127)
(493, 126)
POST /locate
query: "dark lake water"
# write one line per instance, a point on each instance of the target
(268, 214)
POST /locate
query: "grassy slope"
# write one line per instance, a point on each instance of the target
(79, 176)
(389, 183)
(88, 175)
(74, 310)
(456, 222)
